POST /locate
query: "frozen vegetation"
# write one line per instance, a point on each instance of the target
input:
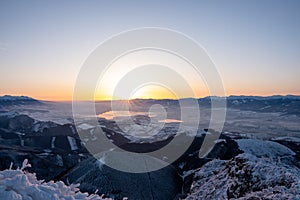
(21, 185)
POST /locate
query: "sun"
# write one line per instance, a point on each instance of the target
(153, 91)
(149, 74)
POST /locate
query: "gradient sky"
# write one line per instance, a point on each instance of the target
(255, 44)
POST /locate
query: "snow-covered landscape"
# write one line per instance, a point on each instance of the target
(246, 162)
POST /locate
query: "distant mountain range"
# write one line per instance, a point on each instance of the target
(264, 97)
(282, 104)
(289, 104)
(8, 100)
(11, 98)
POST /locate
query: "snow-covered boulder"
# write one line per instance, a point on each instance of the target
(246, 177)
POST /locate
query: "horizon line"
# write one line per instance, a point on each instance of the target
(103, 100)
(173, 99)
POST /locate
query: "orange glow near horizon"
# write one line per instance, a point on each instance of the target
(65, 93)
(145, 93)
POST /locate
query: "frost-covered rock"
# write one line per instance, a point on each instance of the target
(270, 150)
(20, 185)
(246, 177)
(262, 148)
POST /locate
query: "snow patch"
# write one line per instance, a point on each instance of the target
(219, 141)
(85, 126)
(53, 142)
(72, 143)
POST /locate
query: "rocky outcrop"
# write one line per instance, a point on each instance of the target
(47, 165)
(24, 131)
(21, 123)
(267, 173)
(52, 149)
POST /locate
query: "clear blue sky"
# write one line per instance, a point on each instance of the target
(255, 44)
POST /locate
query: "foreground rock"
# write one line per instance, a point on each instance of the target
(267, 173)
(19, 184)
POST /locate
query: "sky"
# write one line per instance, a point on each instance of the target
(254, 44)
